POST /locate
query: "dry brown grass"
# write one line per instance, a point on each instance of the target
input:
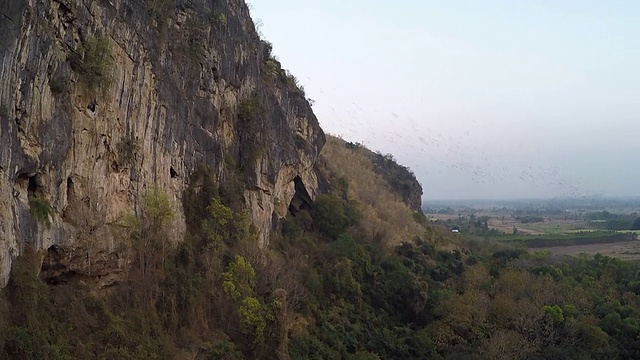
(383, 213)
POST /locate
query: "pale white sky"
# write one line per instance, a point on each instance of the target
(482, 99)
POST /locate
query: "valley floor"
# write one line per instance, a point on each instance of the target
(627, 250)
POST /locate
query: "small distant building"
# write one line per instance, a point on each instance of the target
(455, 231)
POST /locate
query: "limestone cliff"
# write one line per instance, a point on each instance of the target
(102, 99)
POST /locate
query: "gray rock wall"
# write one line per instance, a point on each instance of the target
(181, 79)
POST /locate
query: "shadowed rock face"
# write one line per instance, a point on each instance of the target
(187, 86)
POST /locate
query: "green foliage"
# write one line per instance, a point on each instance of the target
(253, 318)
(251, 113)
(232, 189)
(201, 190)
(223, 349)
(195, 48)
(216, 227)
(611, 221)
(159, 305)
(219, 18)
(329, 215)
(239, 283)
(148, 240)
(41, 209)
(239, 280)
(158, 207)
(554, 313)
(220, 214)
(293, 227)
(95, 66)
(251, 108)
(127, 149)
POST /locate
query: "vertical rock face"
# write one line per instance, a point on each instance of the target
(102, 99)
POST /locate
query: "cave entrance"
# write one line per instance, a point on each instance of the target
(31, 183)
(301, 199)
(54, 271)
(71, 192)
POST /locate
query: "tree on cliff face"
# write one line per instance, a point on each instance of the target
(149, 242)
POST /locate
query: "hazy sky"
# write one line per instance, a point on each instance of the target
(482, 99)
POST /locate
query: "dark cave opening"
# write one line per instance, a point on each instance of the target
(301, 199)
(31, 183)
(71, 193)
(92, 106)
(53, 271)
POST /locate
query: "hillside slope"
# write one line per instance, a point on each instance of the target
(364, 178)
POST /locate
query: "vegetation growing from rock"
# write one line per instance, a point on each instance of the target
(251, 112)
(94, 64)
(272, 70)
(41, 209)
(219, 18)
(127, 149)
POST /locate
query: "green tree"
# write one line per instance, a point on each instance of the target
(239, 283)
(96, 64)
(329, 215)
(239, 280)
(41, 210)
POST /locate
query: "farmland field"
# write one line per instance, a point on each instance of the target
(564, 227)
(547, 227)
(628, 250)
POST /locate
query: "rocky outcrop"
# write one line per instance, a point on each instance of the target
(102, 99)
(400, 178)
